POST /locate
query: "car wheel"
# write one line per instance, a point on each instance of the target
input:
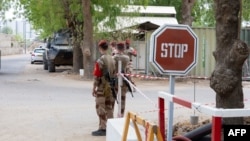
(51, 67)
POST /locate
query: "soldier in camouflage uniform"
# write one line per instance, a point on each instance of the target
(104, 66)
(113, 48)
(131, 52)
(124, 67)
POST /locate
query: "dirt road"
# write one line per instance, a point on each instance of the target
(39, 106)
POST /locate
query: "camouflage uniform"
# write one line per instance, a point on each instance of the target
(130, 51)
(104, 98)
(124, 63)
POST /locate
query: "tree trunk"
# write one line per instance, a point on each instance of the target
(230, 54)
(87, 45)
(186, 12)
(72, 24)
(77, 57)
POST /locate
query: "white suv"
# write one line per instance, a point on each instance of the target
(37, 55)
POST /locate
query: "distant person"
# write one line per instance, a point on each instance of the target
(113, 48)
(104, 70)
(131, 52)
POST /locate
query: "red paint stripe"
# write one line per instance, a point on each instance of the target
(162, 117)
(216, 128)
(182, 102)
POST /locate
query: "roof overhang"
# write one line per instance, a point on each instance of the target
(159, 10)
(141, 23)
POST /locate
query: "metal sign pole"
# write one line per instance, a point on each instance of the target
(119, 88)
(170, 108)
(0, 59)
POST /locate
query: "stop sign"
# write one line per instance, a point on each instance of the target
(173, 49)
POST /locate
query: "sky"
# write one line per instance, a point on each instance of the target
(9, 14)
(19, 25)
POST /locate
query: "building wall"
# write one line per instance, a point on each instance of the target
(8, 45)
(6, 40)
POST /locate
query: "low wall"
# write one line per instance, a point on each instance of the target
(11, 51)
(9, 46)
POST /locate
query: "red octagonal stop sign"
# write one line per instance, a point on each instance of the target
(173, 49)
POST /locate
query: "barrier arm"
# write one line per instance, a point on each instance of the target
(216, 113)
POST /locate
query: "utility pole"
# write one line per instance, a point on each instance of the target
(24, 35)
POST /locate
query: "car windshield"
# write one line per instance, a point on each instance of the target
(39, 50)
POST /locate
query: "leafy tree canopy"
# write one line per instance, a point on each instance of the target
(50, 15)
(245, 10)
(203, 11)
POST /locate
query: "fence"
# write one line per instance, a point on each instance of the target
(207, 44)
(206, 47)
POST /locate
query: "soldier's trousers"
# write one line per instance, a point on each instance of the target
(104, 108)
(124, 90)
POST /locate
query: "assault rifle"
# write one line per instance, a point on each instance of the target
(128, 85)
(112, 85)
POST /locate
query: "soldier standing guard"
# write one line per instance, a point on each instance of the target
(113, 48)
(104, 67)
(131, 52)
(120, 56)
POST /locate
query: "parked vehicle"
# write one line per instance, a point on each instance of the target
(37, 55)
(58, 51)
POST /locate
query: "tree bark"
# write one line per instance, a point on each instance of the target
(87, 45)
(186, 11)
(230, 54)
(72, 24)
(77, 57)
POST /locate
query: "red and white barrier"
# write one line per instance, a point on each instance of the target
(216, 113)
(164, 78)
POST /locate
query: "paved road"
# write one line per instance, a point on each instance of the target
(39, 106)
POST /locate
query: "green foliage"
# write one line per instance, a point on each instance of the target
(245, 10)
(46, 15)
(6, 30)
(203, 13)
(49, 15)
